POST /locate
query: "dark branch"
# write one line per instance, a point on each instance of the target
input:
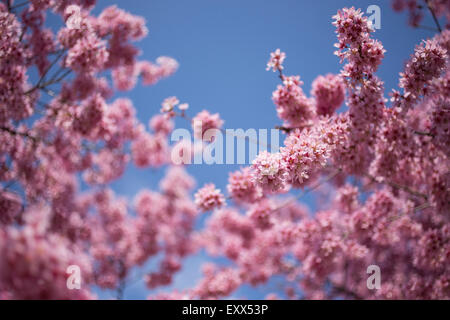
(17, 133)
(434, 15)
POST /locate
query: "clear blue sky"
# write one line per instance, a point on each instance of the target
(223, 47)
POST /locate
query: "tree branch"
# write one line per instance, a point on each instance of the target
(434, 15)
(38, 84)
(17, 133)
(19, 5)
(399, 186)
(420, 133)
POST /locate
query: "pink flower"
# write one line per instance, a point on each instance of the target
(161, 124)
(125, 77)
(89, 54)
(89, 115)
(205, 121)
(305, 152)
(29, 256)
(276, 60)
(269, 172)
(242, 187)
(428, 62)
(260, 213)
(209, 198)
(169, 104)
(217, 283)
(151, 73)
(177, 182)
(168, 65)
(292, 104)
(329, 93)
(150, 151)
(183, 106)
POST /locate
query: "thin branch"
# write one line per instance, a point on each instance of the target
(20, 5)
(284, 129)
(434, 15)
(121, 290)
(38, 84)
(422, 206)
(49, 92)
(399, 186)
(427, 28)
(420, 133)
(17, 133)
(53, 80)
(280, 74)
(310, 189)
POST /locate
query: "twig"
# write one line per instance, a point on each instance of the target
(399, 186)
(17, 133)
(38, 84)
(434, 15)
(420, 133)
(311, 189)
(53, 80)
(284, 129)
(280, 75)
(427, 28)
(19, 5)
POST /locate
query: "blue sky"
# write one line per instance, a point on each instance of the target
(223, 47)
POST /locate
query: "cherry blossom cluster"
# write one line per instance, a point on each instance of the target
(205, 121)
(208, 198)
(386, 174)
(276, 60)
(293, 106)
(362, 53)
(61, 131)
(329, 93)
(427, 63)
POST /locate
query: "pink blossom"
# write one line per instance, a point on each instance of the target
(329, 93)
(169, 104)
(149, 151)
(276, 60)
(168, 65)
(260, 213)
(269, 171)
(209, 198)
(292, 104)
(205, 121)
(427, 63)
(89, 54)
(242, 188)
(161, 124)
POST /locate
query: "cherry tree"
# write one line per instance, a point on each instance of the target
(63, 129)
(385, 165)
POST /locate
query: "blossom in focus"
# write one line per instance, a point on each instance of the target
(269, 172)
(293, 106)
(276, 60)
